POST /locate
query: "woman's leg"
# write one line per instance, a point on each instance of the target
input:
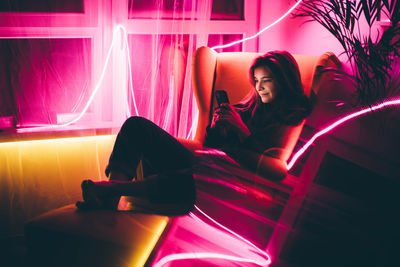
(118, 176)
(166, 188)
(141, 139)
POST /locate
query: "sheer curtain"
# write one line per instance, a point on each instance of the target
(161, 61)
(44, 80)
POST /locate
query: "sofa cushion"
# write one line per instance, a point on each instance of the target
(69, 237)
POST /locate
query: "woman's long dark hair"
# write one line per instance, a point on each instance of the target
(291, 104)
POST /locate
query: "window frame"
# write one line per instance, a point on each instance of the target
(247, 27)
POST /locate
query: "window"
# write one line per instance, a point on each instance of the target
(57, 64)
(221, 9)
(227, 10)
(45, 78)
(73, 6)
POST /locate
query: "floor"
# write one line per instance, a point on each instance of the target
(12, 252)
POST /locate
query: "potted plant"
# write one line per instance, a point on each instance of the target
(371, 59)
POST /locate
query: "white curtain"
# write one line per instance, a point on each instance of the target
(161, 69)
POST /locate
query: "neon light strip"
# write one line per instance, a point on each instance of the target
(210, 255)
(337, 123)
(201, 255)
(125, 36)
(260, 32)
(268, 260)
(57, 140)
(232, 232)
(97, 87)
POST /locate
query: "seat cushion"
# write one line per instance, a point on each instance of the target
(68, 237)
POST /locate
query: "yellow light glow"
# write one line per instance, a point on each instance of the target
(58, 140)
(41, 175)
(140, 257)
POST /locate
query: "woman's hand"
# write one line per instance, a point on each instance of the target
(225, 114)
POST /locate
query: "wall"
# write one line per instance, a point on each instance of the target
(292, 34)
(296, 35)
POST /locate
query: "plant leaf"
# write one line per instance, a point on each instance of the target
(371, 60)
(348, 14)
(364, 5)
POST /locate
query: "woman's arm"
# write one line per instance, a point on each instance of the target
(226, 114)
(262, 164)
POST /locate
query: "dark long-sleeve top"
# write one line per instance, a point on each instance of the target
(268, 126)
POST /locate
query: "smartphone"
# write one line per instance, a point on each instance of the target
(222, 97)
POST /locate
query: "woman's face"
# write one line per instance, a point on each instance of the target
(265, 84)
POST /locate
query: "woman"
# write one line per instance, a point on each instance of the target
(243, 131)
(267, 113)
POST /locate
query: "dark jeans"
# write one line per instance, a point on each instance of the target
(170, 162)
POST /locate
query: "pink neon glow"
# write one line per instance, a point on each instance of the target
(125, 36)
(394, 102)
(235, 234)
(202, 255)
(116, 37)
(263, 30)
(209, 255)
